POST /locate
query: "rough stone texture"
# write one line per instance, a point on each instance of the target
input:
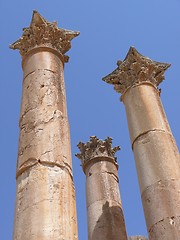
(96, 148)
(106, 221)
(137, 238)
(152, 199)
(105, 215)
(102, 170)
(44, 134)
(155, 150)
(44, 33)
(45, 206)
(157, 161)
(166, 229)
(134, 70)
(157, 158)
(144, 111)
(45, 201)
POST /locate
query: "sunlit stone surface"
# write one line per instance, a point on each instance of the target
(155, 150)
(45, 201)
(105, 214)
(137, 238)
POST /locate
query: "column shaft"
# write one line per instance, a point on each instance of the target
(155, 150)
(45, 205)
(45, 199)
(157, 161)
(104, 207)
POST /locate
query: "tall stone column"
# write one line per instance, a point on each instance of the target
(45, 200)
(155, 150)
(104, 208)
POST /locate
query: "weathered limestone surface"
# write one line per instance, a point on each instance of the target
(42, 33)
(105, 214)
(134, 70)
(44, 126)
(137, 238)
(155, 150)
(45, 206)
(45, 201)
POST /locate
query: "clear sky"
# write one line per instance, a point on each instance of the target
(108, 28)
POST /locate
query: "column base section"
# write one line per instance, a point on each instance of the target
(45, 205)
(106, 221)
(166, 229)
(161, 202)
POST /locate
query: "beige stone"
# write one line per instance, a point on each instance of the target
(137, 238)
(166, 229)
(144, 111)
(156, 158)
(168, 190)
(43, 119)
(45, 206)
(104, 207)
(155, 151)
(45, 200)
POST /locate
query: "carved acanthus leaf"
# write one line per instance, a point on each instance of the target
(96, 148)
(136, 69)
(44, 33)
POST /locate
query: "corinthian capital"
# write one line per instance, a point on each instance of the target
(42, 33)
(96, 148)
(136, 69)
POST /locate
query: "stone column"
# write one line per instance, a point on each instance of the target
(45, 200)
(104, 208)
(155, 150)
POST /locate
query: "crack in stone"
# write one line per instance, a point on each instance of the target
(171, 222)
(45, 153)
(23, 115)
(106, 200)
(43, 69)
(31, 162)
(113, 175)
(36, 203)
(49, 70)
(146, 132)
(23, 149)
(29, 74)
(41, 122)
(158, 182)
(110, 173)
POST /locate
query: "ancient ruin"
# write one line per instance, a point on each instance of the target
(104, 207)
(45, 200)
(45, 195)
(155, 151)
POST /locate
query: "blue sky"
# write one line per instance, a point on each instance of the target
(108, 29)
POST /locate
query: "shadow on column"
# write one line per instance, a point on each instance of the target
(110, 225)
